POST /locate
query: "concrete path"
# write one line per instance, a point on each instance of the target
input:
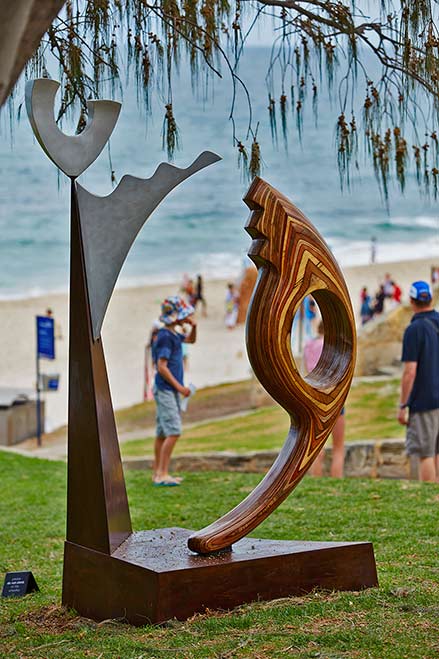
(55, 448)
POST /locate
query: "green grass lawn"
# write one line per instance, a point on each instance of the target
(399, 620)
(370, 414)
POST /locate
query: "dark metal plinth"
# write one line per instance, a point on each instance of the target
(153, 576)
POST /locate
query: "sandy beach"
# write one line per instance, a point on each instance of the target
(219, 355)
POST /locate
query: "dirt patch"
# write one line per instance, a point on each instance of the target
(54, 620)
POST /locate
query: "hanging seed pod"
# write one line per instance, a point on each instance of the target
(299, 118)
(272, 117)
(315, 101)
(254, 168)
(82, 121)
(434, 175)
(283, 115)
(435, 145)
(400, 157)
(170, 133)
(242, 159)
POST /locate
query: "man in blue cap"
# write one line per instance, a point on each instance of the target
(419, 402)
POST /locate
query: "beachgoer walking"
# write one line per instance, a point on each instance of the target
(396, 293)
(373, 249)
(420, 382)
(388, 285)
(249, 275)
(311, 355)
(190, 293)
(366, 311)
(57, 327)
(187, 288)
(380, 296)
(199, 296)
(169, 383)
(231, 302)
(310, 315)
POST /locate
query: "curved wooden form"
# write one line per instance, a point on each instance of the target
(109, 571)
(293, 261)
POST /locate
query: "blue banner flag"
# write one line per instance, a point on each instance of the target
(45, 337)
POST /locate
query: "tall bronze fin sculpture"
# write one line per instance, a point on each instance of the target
(102, 232)
(293, 261)
(152, 576)
(129, 206)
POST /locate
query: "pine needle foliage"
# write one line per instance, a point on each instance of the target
(316, 43)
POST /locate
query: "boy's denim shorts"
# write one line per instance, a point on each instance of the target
(168, 417)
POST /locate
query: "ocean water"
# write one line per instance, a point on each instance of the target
(199, 228)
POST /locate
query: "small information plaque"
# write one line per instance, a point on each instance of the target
(18, 584)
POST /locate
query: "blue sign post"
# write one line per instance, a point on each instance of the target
(45, 337)
(45, 350)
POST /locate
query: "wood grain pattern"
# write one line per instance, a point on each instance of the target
(293, 261)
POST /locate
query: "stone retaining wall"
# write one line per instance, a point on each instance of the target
(369, 459)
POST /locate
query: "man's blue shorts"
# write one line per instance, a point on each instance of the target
(168, 417)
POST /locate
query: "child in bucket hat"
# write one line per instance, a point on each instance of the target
(174, 309)
(169, 384)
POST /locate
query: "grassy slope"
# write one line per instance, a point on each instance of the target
(396, 621)
(370, 414)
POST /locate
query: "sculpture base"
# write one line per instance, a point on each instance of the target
(153, 577)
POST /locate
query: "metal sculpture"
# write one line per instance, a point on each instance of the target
(73, 154)
(151, 576)
(293, 261)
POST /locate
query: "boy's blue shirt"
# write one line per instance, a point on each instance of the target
(168, 345)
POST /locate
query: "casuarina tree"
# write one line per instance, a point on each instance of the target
(379, 60)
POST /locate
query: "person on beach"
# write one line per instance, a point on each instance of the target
(388, 285)
(310, 315)
(169, 383)
(190, 293)
(199, 296)
(188, 289)
(373, 249)
(420, 382)
(311, 355)
(396, 293)
(231, 303)
(249, 275)
(366, 311)
(57, 326)
(380, 296)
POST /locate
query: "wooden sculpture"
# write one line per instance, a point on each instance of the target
(293, 261)
(151, 576)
